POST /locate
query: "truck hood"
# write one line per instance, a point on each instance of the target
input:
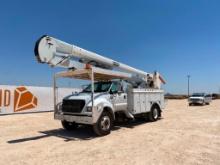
(84, 96)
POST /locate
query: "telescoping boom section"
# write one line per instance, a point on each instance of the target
(57, 53)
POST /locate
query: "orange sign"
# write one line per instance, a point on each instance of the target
(24, 99)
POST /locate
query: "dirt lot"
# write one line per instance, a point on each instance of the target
(185, 135)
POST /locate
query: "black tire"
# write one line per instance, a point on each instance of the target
(154, 113)
(69, 125)
(190, 104)
(104, 124)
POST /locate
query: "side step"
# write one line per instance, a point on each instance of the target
(129, 115)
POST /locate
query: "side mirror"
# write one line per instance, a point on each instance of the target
(75, 93)
(112, 92)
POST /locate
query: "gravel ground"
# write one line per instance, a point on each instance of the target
(185, 135)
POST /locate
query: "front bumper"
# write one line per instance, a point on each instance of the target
(80, 119)
(196, 101)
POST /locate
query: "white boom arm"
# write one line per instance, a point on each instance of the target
(58, 53)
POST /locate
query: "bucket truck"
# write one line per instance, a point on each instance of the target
(117, 91)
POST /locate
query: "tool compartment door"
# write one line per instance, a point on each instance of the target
(142, 97)
(136, 106)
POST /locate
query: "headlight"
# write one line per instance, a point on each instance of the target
(89, 109)
(59, 107)
(98, 108)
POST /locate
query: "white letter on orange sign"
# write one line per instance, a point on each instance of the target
(7, 98)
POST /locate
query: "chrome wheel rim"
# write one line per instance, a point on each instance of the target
(105, 123)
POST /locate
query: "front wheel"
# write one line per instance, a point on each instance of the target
(154, 114)
(104, 124)
(69, 125)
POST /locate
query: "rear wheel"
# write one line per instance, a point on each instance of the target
(154, 114)
(69, 125)
(104, 124)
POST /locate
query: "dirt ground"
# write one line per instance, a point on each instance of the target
(185, 135)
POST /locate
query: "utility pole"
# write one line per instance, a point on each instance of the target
(188, 77)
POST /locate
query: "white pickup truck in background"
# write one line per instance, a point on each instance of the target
(200, 99)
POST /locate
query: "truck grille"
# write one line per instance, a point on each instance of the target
(73, 106)
(195, 100)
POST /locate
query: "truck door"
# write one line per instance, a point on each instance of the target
(118, 97)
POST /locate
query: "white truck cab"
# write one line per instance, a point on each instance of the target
(109, 96)
(200, 98)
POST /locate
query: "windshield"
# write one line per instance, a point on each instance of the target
(198, 95)
(98, 87)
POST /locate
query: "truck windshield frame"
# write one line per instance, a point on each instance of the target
(99, 87)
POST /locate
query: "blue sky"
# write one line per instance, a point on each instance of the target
(175, 38)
